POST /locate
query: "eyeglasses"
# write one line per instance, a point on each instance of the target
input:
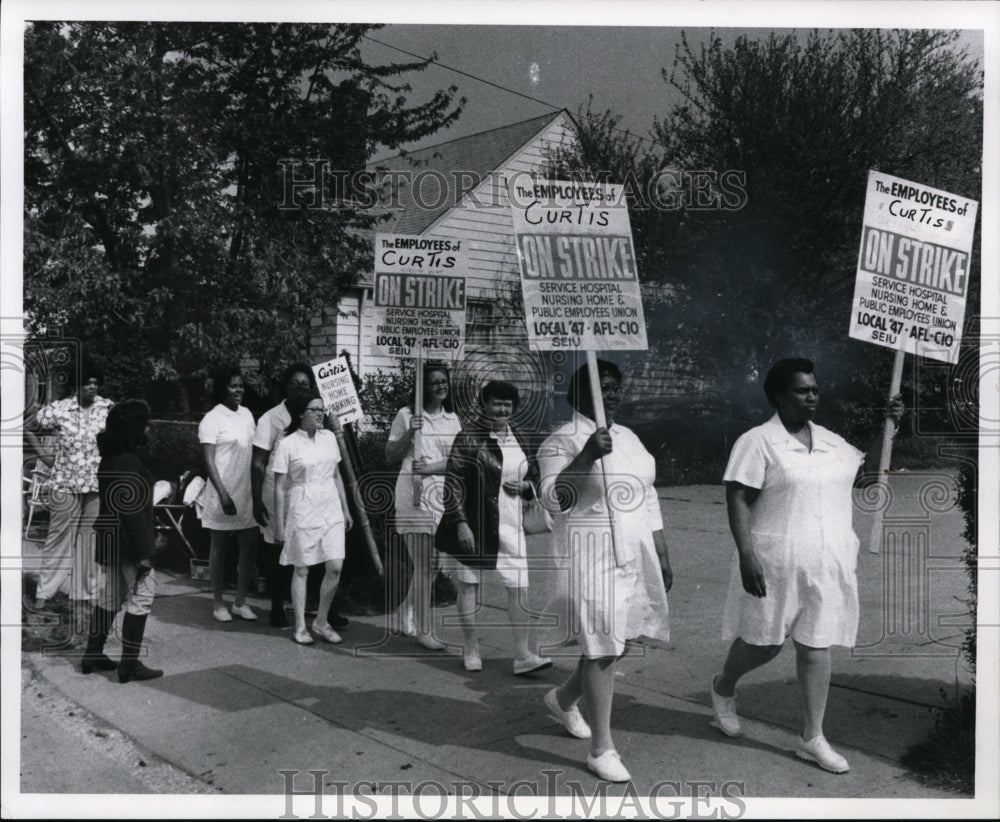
(611, 389)
(317, 410)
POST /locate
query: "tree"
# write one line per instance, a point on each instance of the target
(798, 120)
(805, 121)
(154, 226)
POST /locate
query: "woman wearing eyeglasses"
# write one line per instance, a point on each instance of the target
(311, 509)
(438, 426)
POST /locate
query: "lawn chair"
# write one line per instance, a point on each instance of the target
(170, 507)
(34, 488)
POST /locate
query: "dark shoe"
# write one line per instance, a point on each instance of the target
(93, 657)
(335, 619)
(134, 669)
(133, 628)
(277, 618)
(97, 663)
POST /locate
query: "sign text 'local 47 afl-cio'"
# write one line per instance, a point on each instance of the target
(913, 268)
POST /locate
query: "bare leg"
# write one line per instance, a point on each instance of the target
(328, 587)
(518, 623)
(572, 689)
(466, 606)
(247, 541)
(217, 564)
(299, 596)
(598, 678)
(421, 547)
(742, 659)
(813, 668)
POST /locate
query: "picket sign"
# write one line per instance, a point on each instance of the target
(335, 382)
(578, 279)
(419, 308)
(352, 488)
(912, 279)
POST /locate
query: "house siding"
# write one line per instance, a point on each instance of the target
(482, 221)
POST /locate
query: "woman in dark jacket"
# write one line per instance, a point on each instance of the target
(489, 475)
(125, 540)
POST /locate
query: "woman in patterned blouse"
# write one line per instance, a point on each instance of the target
(74, 422)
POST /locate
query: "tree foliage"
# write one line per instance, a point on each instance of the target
(153, 226)
(802, 119)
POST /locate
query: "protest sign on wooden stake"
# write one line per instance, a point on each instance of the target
(578, 277)
(912, 281)
(419, 306)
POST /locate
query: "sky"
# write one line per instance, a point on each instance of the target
(558, 66)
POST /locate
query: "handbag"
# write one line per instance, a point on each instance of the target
(536, 520)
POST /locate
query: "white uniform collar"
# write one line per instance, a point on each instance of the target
(507, 434)
(442, 413)
(820, 436)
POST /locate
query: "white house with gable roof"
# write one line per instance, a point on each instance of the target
(457, 189)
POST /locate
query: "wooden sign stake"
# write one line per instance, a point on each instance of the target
(418, 412)
(888, 432)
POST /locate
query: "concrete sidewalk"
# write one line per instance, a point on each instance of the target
(240, 702)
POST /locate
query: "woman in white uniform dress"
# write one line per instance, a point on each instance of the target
(225, 434)
(311, 510)
(618, 581)
(438, 425)
(789, 497)
(297, 377)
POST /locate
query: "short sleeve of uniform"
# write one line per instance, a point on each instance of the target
(46, 417)
(849, 452)
(747, 461)
(400, 424)
(208, 429)
(282, 456)
(264, 434)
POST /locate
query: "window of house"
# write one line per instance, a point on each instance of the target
(480, 322)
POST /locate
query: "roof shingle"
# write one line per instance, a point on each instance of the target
(476, 155)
